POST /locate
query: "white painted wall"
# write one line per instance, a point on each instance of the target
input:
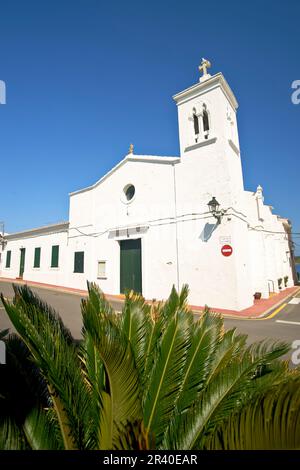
(45, 273)
(170, 206)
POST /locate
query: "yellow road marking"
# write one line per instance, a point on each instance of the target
(255, 319)
(274, 313)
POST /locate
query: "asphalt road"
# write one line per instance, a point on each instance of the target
(66, 304)
(282, 325)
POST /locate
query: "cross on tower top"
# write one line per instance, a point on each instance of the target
(205, 64)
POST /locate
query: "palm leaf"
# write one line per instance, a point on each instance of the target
(22, 389)
(27, 298)
(97, 304)
(116, 355)
(271, 421)
(230, 389)
(205, 336)
(162, 314)
(134, 436)
(230, 346)
(107, 432)
(53, 351)
(206, 333)
(41, 431)
(151, 377)
(137, 326)
(3, 333)
(175, 303)
(11, 436)
(94, 377)
(165, 380)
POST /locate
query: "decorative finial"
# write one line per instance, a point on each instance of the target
(131, 148)
(259, 192)
(205, 64)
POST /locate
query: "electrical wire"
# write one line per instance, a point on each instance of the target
(172, 220)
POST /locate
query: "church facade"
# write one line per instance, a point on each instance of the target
(153, 222)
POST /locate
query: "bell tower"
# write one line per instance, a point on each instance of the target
(208, 134)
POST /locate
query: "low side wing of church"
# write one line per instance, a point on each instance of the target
(153, 222)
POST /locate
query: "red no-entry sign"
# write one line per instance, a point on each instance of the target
(226, 250)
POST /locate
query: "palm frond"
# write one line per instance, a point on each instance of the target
(165, 380)
(175, 303)
(41, 431)
(116, 355)
(137, 326)
(22, 387)
(205, 337)
(54, 352)
(30, 301)
(271, 421)
(227, 392)
(163, 313)
(95, 381)
(149, 378)
(134, 436)
(206, 334)
(3, 333)
(97, 303)
(11, 435)
(107, 427)
(230, 345)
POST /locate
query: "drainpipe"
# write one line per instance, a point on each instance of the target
(176, 226)
(259, 202)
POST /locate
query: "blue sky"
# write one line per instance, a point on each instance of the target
(85, 78)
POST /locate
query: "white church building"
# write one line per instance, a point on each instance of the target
(153, 221)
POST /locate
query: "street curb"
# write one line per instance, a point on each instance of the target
(288, 297)
(62, 289)
(261, 316)
(264, 314)
(196, 310)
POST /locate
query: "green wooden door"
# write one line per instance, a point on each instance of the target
(22, 262)
(130, 265)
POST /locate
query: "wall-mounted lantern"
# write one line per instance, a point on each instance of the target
(214, 208)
